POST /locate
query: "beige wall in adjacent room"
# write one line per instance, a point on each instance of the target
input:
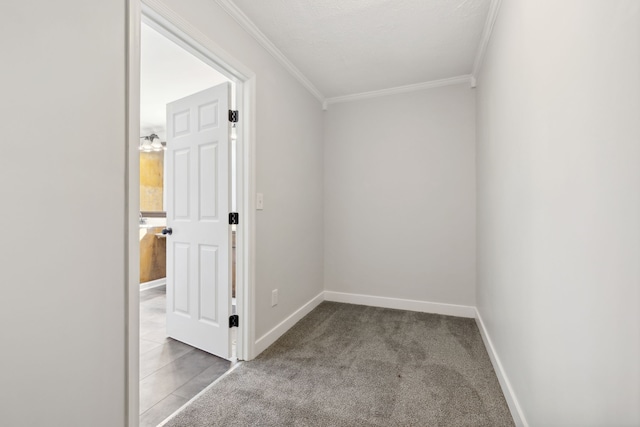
(151, 180)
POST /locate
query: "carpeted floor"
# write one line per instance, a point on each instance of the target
(350, 365)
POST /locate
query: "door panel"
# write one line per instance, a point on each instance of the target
(208, 171)
(208, 284)
(198, 200)
(180, 278)
(181, 187)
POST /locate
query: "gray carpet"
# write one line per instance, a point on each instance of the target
(350, 365)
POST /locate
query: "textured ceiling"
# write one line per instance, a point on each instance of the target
(352, 46)
(168, 73)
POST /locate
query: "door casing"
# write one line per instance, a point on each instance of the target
(173, 26)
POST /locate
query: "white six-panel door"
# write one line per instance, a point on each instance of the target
(198, 262)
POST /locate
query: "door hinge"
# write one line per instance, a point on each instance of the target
(233, 116)
(233, 320)
(233, 217)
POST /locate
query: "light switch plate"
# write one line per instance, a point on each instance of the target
(259, 201)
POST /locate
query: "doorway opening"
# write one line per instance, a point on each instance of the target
(169, 363)
(175, 365)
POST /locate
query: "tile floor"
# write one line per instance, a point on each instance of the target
(171, 372)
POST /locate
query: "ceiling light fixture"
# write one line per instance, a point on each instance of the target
(156, 144)
(151, 143)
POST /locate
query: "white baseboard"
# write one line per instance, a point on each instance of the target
(402, 304)
(270, 337)
(153, 284)
(505, 384)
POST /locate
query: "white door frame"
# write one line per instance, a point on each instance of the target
(173, 26)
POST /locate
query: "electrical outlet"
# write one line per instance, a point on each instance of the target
(274, 298)
(259, 201)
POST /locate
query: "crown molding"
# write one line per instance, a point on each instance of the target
(247, 24)
(490, 22)
(400, 89)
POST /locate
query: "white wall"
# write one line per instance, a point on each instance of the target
(400, 196)
(558, 173)
(62, 184)
(289, 246)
